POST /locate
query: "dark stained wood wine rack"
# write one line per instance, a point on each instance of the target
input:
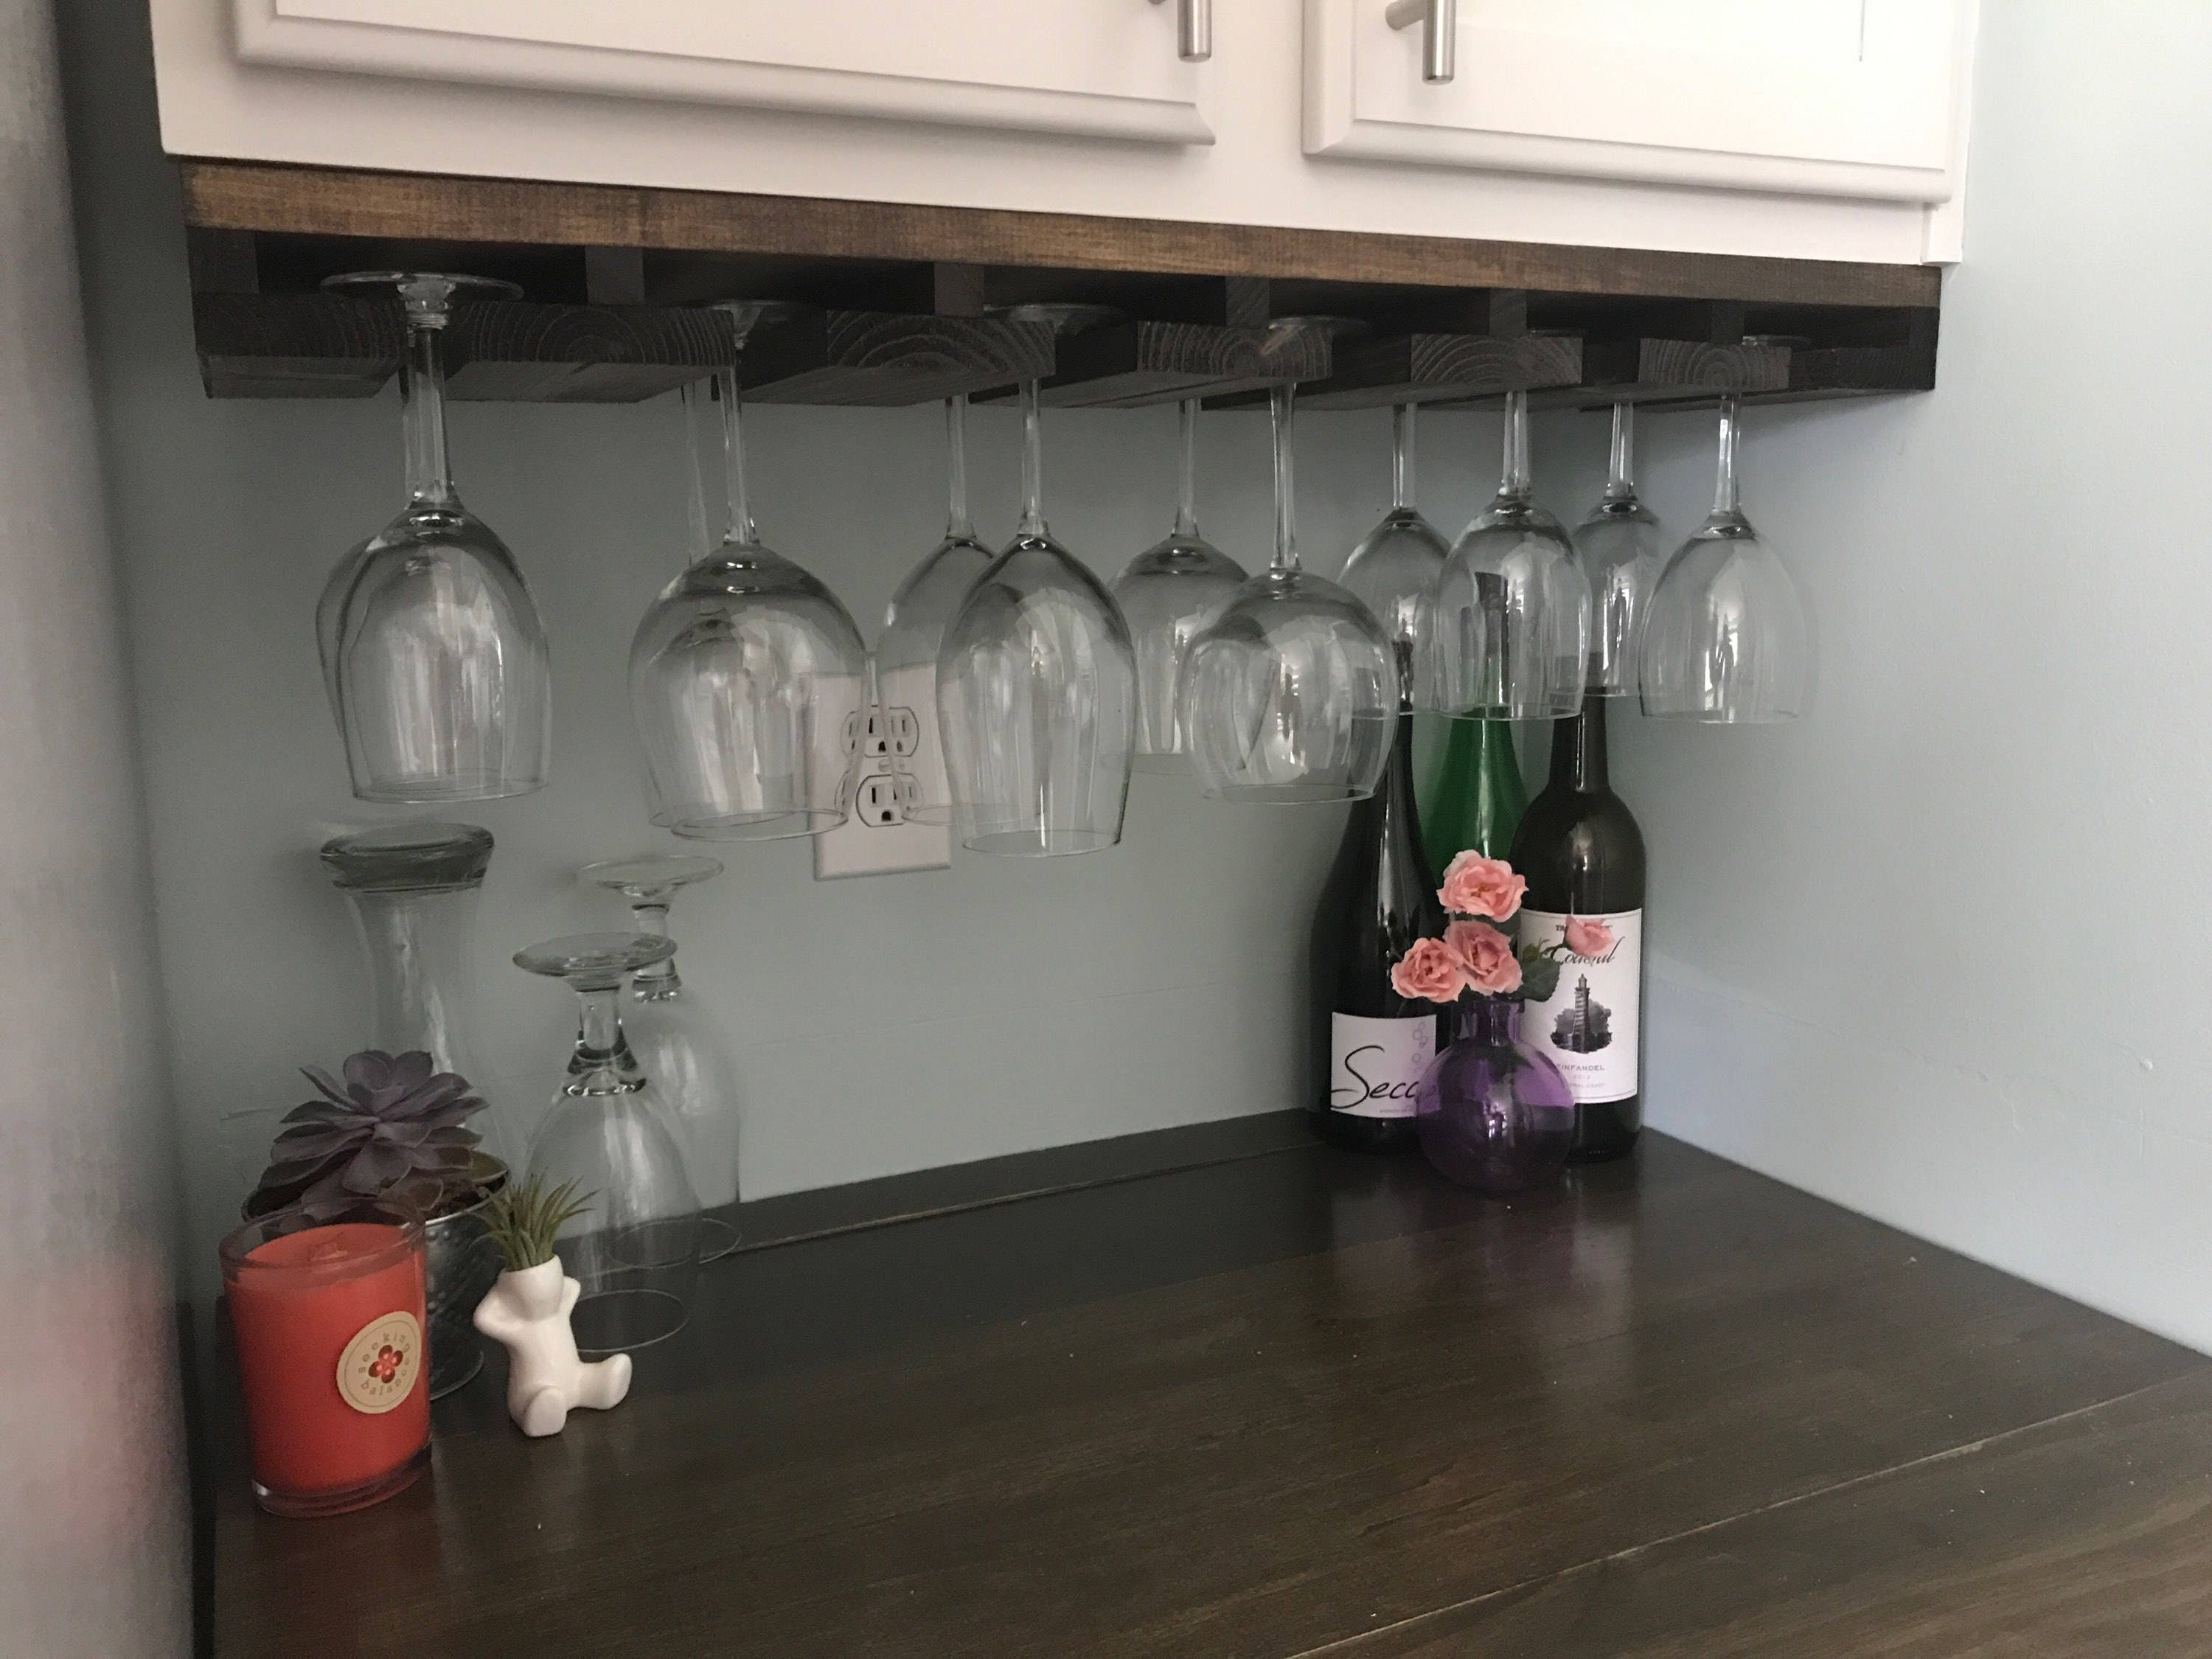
(900, 302)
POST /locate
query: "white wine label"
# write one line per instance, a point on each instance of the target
(1590, 1026)
(379, 1367)
(1374, 1064)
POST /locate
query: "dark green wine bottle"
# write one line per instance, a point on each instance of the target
(1478, 797)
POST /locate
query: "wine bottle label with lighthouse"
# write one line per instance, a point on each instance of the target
(1588, 1026)
(1374, 1064)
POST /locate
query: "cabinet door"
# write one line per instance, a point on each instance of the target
(1104, 67)
(1858, 98)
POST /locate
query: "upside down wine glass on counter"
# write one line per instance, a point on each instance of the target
(432, 650)
(1036, 681)
(745, 672)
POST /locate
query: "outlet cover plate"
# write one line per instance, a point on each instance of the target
(906, 759)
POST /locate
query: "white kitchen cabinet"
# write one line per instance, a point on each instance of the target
(1103, 68)
(1814, 128)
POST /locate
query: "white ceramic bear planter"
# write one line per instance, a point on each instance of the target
(526, 1313)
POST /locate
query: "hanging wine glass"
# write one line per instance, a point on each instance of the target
(1726, 639)
(744, 674)
(1036, 692)
(679, 1044)
(1290, 692)
(1394, 569)
(633, 1248)
(432, 650)
(1167, 592)
(1512, 624)
(914, 624)
(1621, 551)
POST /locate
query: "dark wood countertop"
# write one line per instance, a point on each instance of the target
(1303, 1402)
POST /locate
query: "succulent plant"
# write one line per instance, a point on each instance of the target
(525, 1219)
(394, 1130)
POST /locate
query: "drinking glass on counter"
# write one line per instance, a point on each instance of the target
(745, 673)
(328, 1323)
(1727, 641)
(678, 1043)
(1290, 692)
(1167, 592)
(433, 652)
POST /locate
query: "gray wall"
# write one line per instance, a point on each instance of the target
(880, 1025)
(1940, 952)
(93, 1553)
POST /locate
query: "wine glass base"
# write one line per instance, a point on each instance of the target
(624, 1319)
(1040, 843)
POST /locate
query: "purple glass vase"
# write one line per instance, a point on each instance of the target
(1491, 1113)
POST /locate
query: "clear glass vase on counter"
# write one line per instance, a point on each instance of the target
(412, 888)
(1491, 1113)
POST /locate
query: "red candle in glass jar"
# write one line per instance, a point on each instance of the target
(329, 1326)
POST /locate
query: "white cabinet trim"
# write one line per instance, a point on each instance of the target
(608, 49)
(1882, 128)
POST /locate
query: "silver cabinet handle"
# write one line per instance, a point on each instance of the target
(1439, 22)
(1194, 30)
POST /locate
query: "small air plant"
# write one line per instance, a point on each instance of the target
(527, 1218)
(393, 1129)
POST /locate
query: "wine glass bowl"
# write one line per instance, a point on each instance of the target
(434, 656)
(1166, 593)
(746, 675)
(1290, 691)
(1511, 618)
(1726, 639)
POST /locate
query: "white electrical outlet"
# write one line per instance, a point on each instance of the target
(901, 764)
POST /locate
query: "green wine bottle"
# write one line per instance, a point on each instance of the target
(1478, 796)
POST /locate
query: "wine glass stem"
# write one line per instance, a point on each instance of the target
(703, 533)
(1032, 463)
(1515, 481)
(1621, 482)
(1186, 524)
(1401, 459)
(658, 982)
(1724, 490)
(734, 456)
(422, 406)
(603, 1063)
(1282, 406)
(957, 523)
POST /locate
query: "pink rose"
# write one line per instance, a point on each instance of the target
(1485, 957)
(1430, 972)
(1588, 937)
(1477, 886)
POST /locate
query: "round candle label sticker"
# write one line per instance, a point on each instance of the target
(379, 1366)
